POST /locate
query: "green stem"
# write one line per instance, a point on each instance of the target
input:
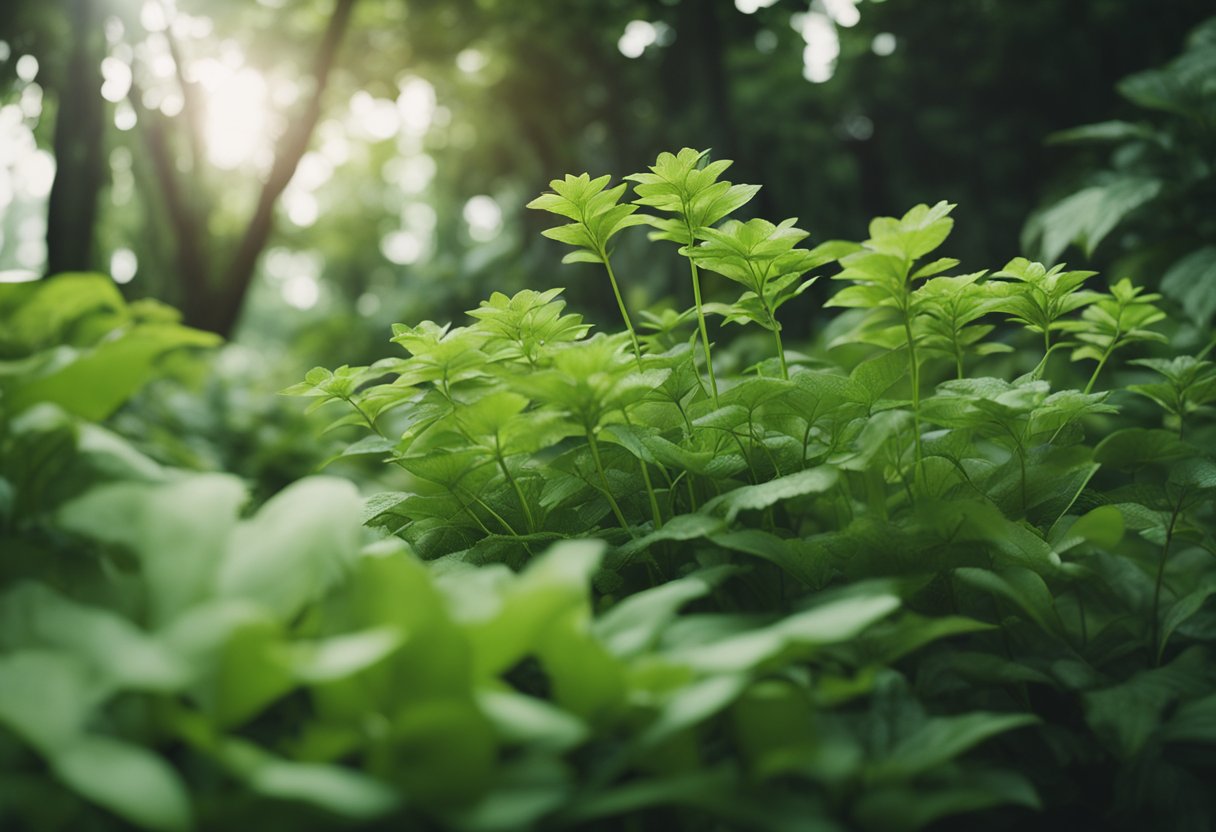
(371, 423)
(468, 511)
(1098, 369)
(655, 514)
(696, 296)
(523, 502)
(772, 319)
(620, 302)
(915, 370)
(510, 529)
(687, 421)
(599, 467)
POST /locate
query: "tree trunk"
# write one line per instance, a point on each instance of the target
(224, 313)
(78, 144)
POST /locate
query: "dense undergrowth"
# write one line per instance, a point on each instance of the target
(948, 565)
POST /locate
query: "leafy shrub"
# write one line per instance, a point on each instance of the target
(862, 585)
(1072, 542)
(1159, 186)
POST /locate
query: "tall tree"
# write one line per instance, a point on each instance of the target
(79, 144)
(213, 288)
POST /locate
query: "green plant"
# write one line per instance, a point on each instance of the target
(869, 584)
(1158, 186)
(984, 496)
(169, 660)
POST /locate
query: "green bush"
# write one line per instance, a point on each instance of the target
(1158, 187)
(879, 582)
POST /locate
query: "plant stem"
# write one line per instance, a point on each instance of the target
(620, 302)
(599, 467)
(510, 529)
(523, 502)
(371, 423)
(1098, 369)
(772, 319)
(696, 296)
(709, 362)
(915, 370)
(655, 514)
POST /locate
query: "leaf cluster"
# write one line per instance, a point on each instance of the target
(880, 584)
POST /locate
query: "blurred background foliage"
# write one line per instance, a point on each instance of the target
(327, 167)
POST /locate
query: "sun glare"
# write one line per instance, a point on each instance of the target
(236, 106)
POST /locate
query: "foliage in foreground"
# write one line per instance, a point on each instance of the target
(872, 586)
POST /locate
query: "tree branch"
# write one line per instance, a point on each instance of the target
(291, 148)
(192, 104)
(191, 255)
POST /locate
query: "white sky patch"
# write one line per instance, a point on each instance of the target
(171, 105)
(376, 119)
(123, 265)
(334, 145)
(638, 35)
(162, 64)
(822, 45)
(31, 253)
(843, 12)
(116, 77)
(302, 207)
(152, 16)
(186, 26)
(883, 44)
(415, 104)
(36, 174)
(297, 275)
(402, 247)
(411, 174)
(235, 126)
(27, 68)
(484, 218)
(471, 61)
(313, 171)
(124, 116)
(114, 29)
(31, 101)
(301, 291)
